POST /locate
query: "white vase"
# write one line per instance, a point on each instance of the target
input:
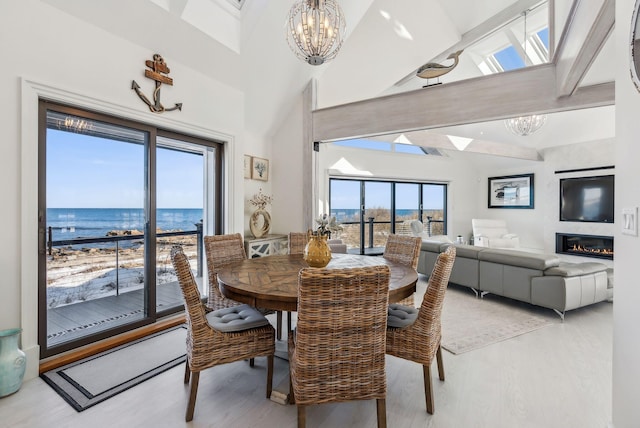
(260, 223)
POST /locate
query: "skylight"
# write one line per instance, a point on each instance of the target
(387, 146)
(408, 148)
(365, 144)
(509, 59)
(515, 52)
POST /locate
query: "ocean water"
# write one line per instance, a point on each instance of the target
(345, 215)
(71, 223)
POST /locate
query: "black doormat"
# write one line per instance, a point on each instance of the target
(94, 379)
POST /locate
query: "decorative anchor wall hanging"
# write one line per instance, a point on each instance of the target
(158, 67)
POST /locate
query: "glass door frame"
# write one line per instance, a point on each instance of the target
(212, 210)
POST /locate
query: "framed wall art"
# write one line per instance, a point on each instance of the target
(511, 191)
(247, 166)
(259, 169)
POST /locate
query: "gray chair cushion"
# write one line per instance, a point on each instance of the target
(401, 316)
(237, 318)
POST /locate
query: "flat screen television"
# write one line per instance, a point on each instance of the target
(588, 199)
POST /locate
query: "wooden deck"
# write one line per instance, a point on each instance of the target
(73, 321)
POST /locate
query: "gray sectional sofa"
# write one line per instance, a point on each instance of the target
(539, 279)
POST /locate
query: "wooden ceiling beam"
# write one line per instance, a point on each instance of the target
(525, 91)
(585, 34)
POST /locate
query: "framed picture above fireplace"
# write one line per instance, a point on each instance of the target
(511, 191)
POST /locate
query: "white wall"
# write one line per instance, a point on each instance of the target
(626, 316)
(49, 52)
(585, 155)
(526, 223)
(287, 160)
(255, 146)
(537, 227)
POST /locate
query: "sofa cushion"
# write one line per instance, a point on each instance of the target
(433, 246)
(467, 251)
(519, 258)
(436, 238)
(575, 269)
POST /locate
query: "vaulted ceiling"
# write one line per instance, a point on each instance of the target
(386, 41)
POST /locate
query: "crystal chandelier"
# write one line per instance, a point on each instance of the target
(315, 30)
(525, 125)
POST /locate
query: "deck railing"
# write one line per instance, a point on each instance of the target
(69, 250)
(375, 232)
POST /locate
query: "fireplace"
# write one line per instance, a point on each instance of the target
(585, 245)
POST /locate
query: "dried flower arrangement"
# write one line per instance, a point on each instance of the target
(260, 200)
(327, 225)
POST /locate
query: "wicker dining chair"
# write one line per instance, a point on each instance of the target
(210, 341)
(405, 250)
(222, 250)
(297, 242)
(415, 334)
(337, 352)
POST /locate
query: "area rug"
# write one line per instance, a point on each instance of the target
(94, 379)
(470, 323)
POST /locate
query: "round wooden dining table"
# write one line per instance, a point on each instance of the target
(272, 282)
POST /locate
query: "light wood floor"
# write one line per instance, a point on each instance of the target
(557, 376)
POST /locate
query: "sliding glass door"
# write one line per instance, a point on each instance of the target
(377, 206)
(407, 205)
(180, 212)
(114, 197)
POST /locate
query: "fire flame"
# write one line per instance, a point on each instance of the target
(581, 249)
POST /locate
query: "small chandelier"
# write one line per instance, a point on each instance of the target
(525, 125)
(315, 30)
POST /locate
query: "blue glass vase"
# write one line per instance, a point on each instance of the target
(13, 362)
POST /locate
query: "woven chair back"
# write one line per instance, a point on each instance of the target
(340, 335)
(403, 249)
(195, 312)
(220, 251)
(430, 314)
(297, 242)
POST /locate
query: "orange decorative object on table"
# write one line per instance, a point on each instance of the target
(317, 252)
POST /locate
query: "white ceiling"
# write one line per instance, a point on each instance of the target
(246, 49)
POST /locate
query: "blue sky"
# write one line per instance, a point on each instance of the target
(90, 172)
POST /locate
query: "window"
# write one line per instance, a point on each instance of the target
(365, 209)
